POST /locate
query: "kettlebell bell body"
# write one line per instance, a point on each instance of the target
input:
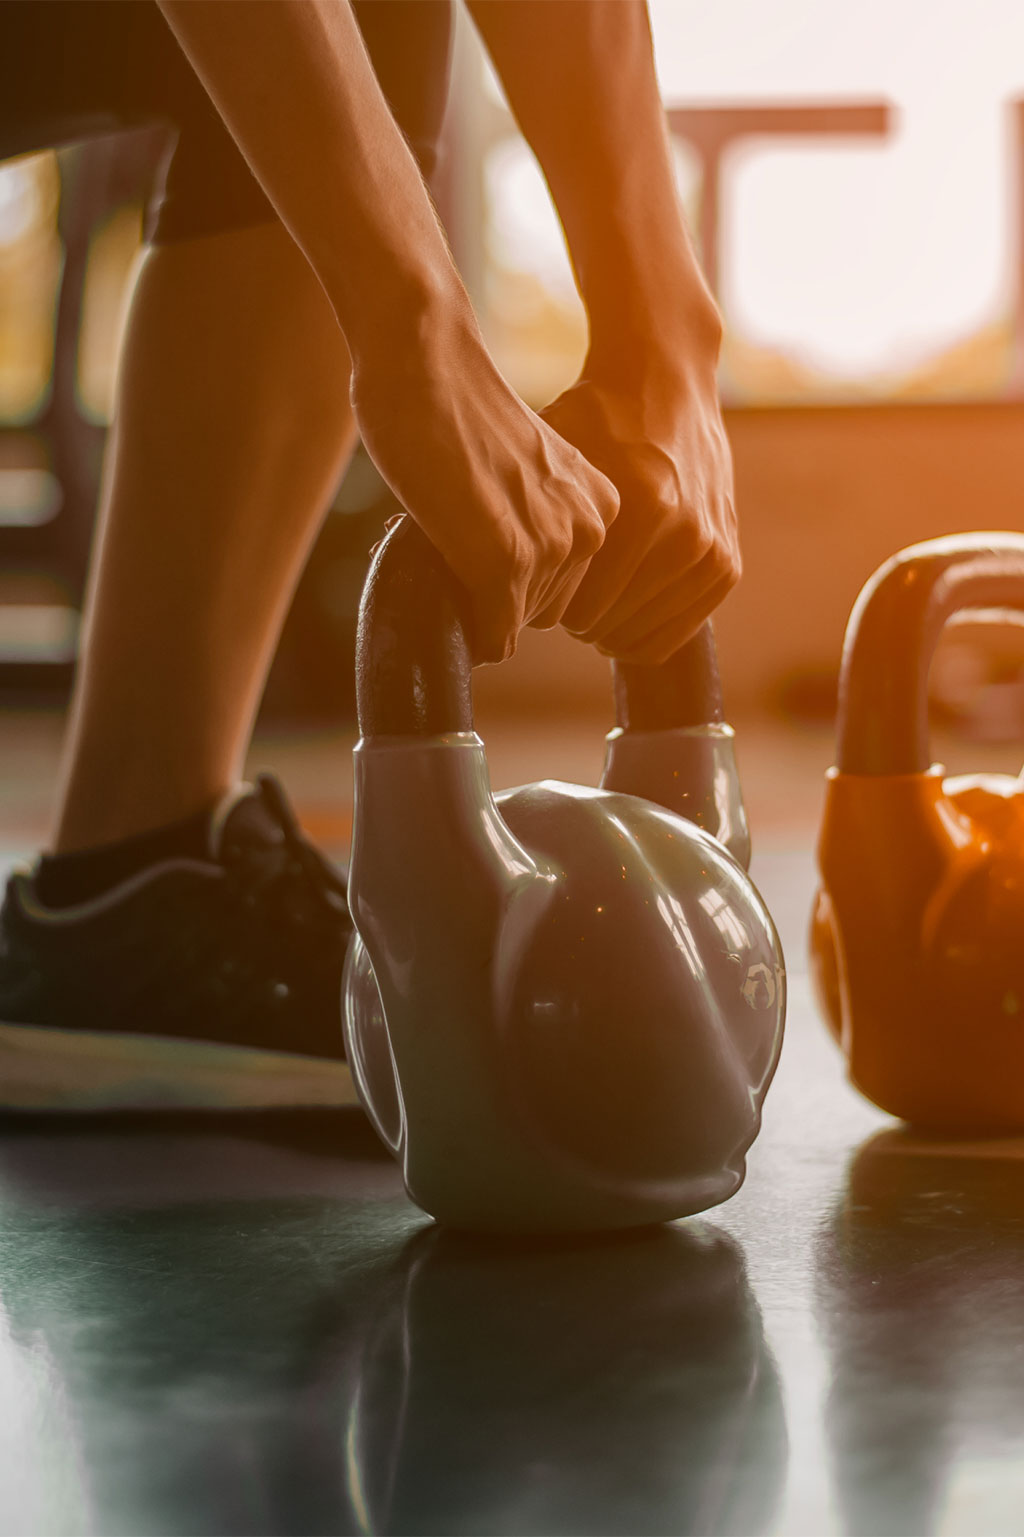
(916, 935)
(564, 1004)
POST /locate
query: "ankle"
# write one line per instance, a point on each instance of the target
(69, 878)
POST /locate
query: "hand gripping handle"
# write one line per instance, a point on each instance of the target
(414, 668)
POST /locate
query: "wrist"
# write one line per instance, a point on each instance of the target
(650, 304)
(637, 342)
(428, 367)
(410, 327)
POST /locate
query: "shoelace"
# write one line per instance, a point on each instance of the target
(289, 879)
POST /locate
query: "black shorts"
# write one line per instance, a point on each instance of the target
(73, 69)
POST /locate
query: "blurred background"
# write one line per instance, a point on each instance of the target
(854, 179)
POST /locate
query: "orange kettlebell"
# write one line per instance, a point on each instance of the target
(917, 937)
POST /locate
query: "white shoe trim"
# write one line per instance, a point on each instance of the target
(23, 886)
(49, 1069)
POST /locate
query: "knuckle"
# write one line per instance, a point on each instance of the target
(666, 483)
(606, 500)
(519, 560)
(701, 541)
(513, 580)
(590, 536)
(686, 541)
(561, 547)
(726, 564)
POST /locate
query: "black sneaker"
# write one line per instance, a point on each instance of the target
(197, 984)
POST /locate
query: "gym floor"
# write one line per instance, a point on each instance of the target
(244, 1326)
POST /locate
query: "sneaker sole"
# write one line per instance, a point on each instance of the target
(49, 1069)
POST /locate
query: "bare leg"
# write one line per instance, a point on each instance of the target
(233, 426)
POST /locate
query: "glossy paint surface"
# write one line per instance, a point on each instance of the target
(917, 928)
(690, 770)
(230, 1327)
(601, 977)
(922, 897)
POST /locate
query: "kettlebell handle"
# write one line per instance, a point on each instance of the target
(882, 719)
(414, 668)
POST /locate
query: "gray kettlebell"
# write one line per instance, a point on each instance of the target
(563, 1005)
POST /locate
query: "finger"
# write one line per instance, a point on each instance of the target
(608, 504)
(554, 594)
(558, 591)
(550, 613)
(491, 644)
(609, 573)
(495, 629)
(661, 643)
(655, 596)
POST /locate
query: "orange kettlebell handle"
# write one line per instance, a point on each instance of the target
(882, 719)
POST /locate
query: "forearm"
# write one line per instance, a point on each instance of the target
(516, 511)
(581, 81)
(296, 87)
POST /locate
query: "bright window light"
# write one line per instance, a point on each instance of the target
(864, 259)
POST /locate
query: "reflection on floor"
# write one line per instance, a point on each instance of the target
(243, 1326)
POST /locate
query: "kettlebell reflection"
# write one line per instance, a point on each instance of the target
(300, 1365)
(603, 1386)
(920, 1292)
